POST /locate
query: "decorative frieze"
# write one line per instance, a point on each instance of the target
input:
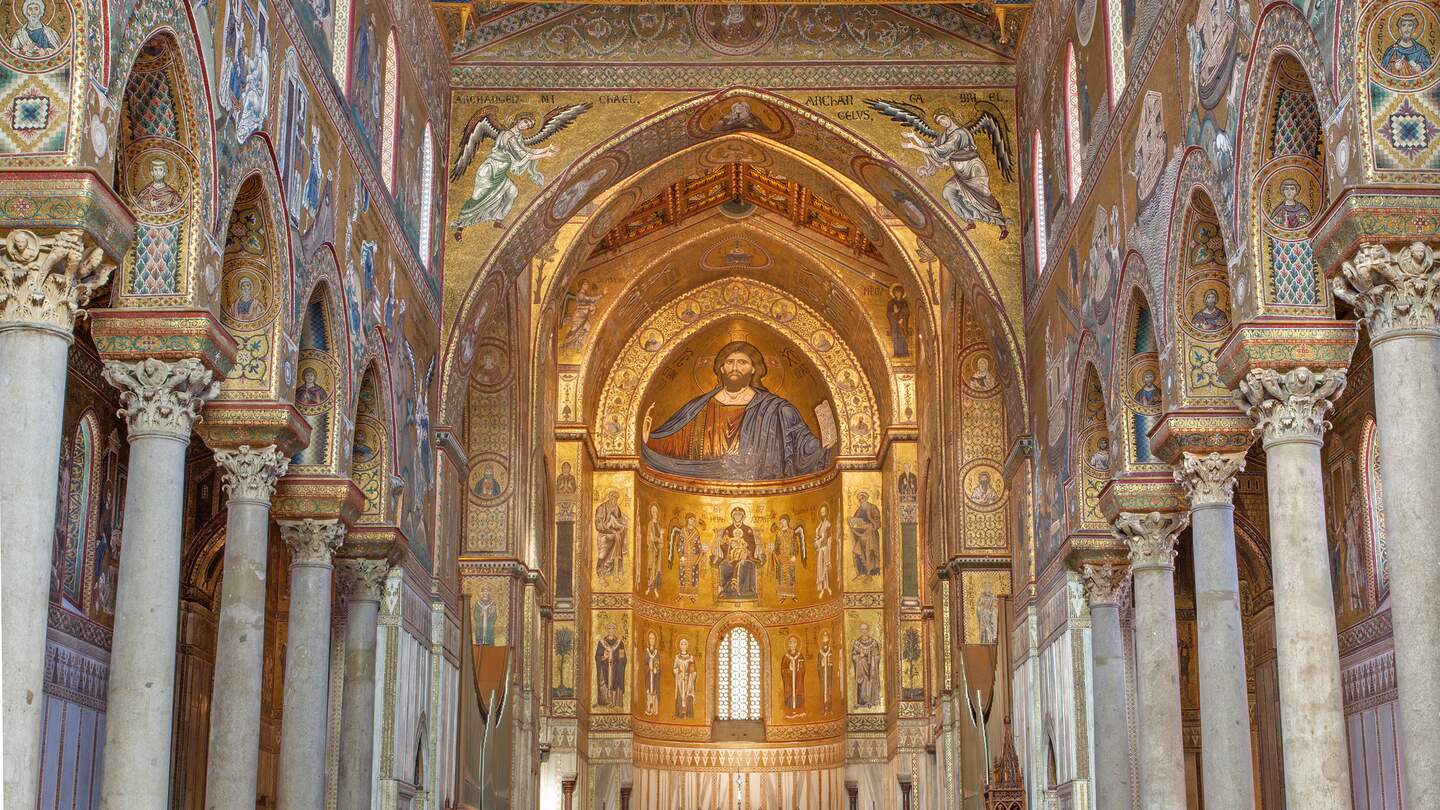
(46, 281)
(159, 398)
(1210, 480)
(1290, 406)
(250, 474)
(312, 542)
(1151, 537)
(1392, 293)
(73, 676)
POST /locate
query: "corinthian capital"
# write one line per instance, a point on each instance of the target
(1151, 537)
(1210, 480)
(45, 281)
(1106, 583)
(312, 542)
(1392, 292)
(1290, 406)
(250, 475)
(159, 398)
(362, 580)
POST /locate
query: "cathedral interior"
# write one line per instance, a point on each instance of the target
(984, 405)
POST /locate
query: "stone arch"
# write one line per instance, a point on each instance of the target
(170, 22)
(1199, 301)
(1281, 32)
(751, 300)
(1136, 382)
(682, 125)
(372, 445)
(202, 565)
(255, 292)
(321, 381)
(1196, 177)
(1092, 447)
(161, 177)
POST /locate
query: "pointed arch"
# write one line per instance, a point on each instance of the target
(1201, 312)
(1038, 202)
(1094, 450)
(427, 195)
(160, 176)
(74, 515)
(1136, 380)
(255, 289)
(371, 445)
(319, 381)
(746, 648)
(1377, 538)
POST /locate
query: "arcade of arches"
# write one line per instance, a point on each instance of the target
(444, 405)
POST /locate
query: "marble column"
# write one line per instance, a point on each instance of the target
(44, 282)
(1397, 297)
(249, 477)
(1289, 410)
(1161, 754)
(160, 403)
(1227, 763)
(1106, 586)
(360, 584)
(307, 661)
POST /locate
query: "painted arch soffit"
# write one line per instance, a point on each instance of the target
(673, 323)
(675, 267)
(656, 137)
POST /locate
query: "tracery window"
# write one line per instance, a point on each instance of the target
(340, 41)
(1074, 149)
(427, 181)
(387, 149)
(1115, 34)
(737, 694)
(1038, 181)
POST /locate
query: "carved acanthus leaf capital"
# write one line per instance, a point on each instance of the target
(1210, 480)
(249, 474)
(312, 542)
(160, 398)
(1106, 583)
(362, 580)
(1290, 406)
(1392, 292)
(47, 280)
(1151, 537)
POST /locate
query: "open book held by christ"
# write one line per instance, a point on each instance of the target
(739, 431)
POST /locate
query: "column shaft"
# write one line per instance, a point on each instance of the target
(1161, 753)
(1227, 757)
(1105, 588)
(234, 760)
(1407, 385)
(46, 281)
(139, 703)
(1317, 765)
(161, 402)
(32, 374)
(307, 663)
(1112, 754)
(361, 581)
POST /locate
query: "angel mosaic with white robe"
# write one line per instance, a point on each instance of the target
(948, 144)
(513, 154)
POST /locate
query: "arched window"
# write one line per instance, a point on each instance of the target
(1074, 149)
(1375, 512)
(427, 192)
(737, 672)
(387, 148)
(1115, 36)
(1041, 238)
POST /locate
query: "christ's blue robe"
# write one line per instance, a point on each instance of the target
(774, 443)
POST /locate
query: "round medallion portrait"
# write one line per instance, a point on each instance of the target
(1290, 196)
(245, 296)
(1207, 307)
(783, 310)
(983, 487)
(489, 479)
(1143, 384)
(978, 374)
(1404, 41)
(37, 30)
(369, 442)
(159, 182)
(735, 29)
(315, 389)
(651, 340)
(688, 310)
